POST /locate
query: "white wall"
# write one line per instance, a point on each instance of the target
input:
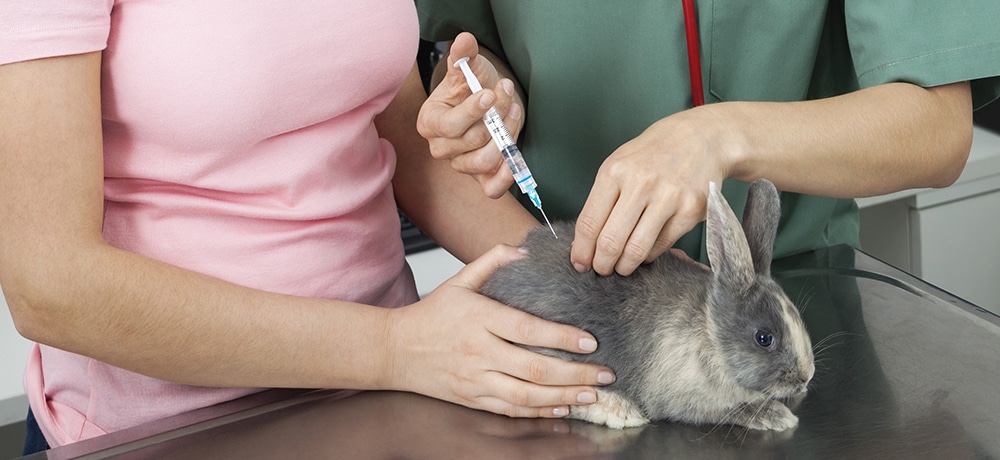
(431, 268)
(13, 357)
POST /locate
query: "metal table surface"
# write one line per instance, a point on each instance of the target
(904, 370)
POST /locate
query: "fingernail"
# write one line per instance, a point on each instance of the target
(588, 344)
(515, 112)
(487, 100)
(560, 411)
(579, 268)
(586, 398)
(561, 426)
(508, 87)
(606, 378)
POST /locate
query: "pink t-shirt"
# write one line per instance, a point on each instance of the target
(239, 143)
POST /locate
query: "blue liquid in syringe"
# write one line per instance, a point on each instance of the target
(522, 176)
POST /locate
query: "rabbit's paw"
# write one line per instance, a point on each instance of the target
(611, 410)
(766, 415)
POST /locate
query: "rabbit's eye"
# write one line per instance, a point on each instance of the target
(764, 338)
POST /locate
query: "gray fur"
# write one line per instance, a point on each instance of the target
(681, 339)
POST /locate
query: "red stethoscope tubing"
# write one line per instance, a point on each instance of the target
(694, 57)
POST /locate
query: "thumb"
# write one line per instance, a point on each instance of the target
(464, 45)
(475, 274)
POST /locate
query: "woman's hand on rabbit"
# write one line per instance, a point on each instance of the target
(458, 346)
(452, 118)
(650, 192)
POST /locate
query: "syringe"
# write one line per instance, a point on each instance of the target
(505, 142)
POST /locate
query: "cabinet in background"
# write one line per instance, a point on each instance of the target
(947, 237)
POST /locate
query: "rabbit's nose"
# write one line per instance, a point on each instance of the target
(805, 374)
(806, 371)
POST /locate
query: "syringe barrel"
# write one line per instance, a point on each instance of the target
(498, 130)
(522, 175)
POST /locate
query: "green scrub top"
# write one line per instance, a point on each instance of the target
(596, 73)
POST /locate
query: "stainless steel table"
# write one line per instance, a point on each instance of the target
(904, 370)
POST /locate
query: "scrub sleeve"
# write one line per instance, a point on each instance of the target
(597, 74)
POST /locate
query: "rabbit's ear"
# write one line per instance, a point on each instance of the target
(728, 253)
(760, 222)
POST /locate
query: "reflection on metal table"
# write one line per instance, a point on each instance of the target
(904, 370)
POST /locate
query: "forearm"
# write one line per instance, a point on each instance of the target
(449, 206)
(870, 142)
(181, 326)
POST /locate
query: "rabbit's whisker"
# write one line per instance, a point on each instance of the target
(805, 297)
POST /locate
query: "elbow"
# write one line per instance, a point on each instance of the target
(952, 109)
(25, 312)
(953, 155)
(36, 299)
(53, 289)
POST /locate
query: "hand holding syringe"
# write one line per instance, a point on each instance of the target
(505, 142)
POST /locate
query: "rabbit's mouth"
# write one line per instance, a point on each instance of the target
(795, 381)
(789, 390)
(792, 401)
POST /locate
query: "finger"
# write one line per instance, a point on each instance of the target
(483, 156)
(454, 91)
(470, 110)
(461, 116)
(453, 124)
(519, 393)
(498, 183)
(488, 166)
(460, 129)
(504, 407)
(616, 233)
(475, 274)
(465, 44)
(483, 161)
(648, 232)
(512, 113)
(688, 215)
(537, 368)
(519, 327)
(485, 73)
(590, 223)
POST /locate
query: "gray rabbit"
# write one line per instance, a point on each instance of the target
(724, 346)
